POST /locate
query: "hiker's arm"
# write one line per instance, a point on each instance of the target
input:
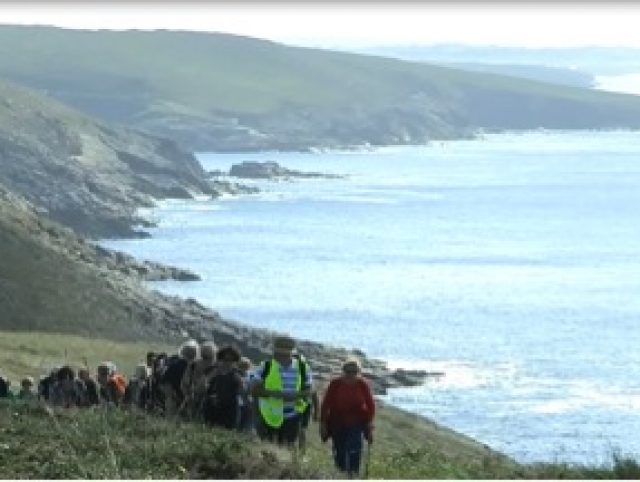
(327, 402)
(258, 390)
(371, 411)
(325, 411)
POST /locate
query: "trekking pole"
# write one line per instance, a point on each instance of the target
(366, 466)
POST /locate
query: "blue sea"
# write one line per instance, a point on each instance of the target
(511, 263)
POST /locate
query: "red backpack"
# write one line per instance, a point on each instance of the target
(119, 384)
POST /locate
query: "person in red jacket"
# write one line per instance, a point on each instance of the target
(346, 416)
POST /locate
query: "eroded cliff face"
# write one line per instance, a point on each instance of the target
(84, 174)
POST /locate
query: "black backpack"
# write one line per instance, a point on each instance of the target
(221, 406)
(174, 370)
(223, 389)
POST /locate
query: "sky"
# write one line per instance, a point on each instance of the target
(355, 25)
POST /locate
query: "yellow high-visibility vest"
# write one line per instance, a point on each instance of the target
(272, 409)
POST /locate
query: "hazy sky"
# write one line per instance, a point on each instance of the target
(335, 24)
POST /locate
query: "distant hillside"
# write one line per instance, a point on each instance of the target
(223, 92)
(85, 174)
(594, 60)
(539, 73)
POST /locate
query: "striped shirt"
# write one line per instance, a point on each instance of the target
(289, 377)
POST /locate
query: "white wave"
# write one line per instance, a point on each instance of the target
(583, 394)
(354, 198)
(205, 207)
(627, 83)
(459, 374)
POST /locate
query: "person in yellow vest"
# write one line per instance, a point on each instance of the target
(281, 386)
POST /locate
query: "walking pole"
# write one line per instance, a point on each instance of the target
(366, 467)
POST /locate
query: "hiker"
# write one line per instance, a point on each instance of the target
(150, 359)
(45, 385)
(65, 391)
(171, 375)
(4, 387)
(281, 386)
(112, 385)
(346, 416)
(137, 391)
(91, 396)
(26, 389)
(312, 409)
(157, 401)
(195, 379)
(221, 406)
(245, 400)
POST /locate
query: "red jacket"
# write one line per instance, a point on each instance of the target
(347, 404)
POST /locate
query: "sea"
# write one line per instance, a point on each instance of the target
(510, 263)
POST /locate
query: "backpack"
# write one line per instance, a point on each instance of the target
(119, 384)
(222, 405)
(174, 370)
(223, 389)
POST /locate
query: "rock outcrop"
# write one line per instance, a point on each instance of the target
(273, 170)
(84, 174)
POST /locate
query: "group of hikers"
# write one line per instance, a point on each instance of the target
(275, 400)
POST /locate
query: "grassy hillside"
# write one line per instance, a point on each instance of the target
(118, 444)
(33, 353)
(399, 434)
(46, 285)
(215, 91)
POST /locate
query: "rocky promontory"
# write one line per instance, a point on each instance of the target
(85, 174)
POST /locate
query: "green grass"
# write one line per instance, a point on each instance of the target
(33, 353)
(98, 443)
(50, 282)
(44, 289)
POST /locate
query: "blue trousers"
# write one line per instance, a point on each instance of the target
(347, 448)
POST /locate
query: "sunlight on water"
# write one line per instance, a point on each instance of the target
(510, 264)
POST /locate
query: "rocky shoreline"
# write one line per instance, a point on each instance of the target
(189, 318)
(192, 319)
(119, 277)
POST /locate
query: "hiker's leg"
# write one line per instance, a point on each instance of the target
(264, 431)
(339, 449)
(290, 430)
(353, 444)
(302, 439)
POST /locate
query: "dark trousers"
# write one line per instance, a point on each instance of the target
(222, 416)
(347, 448)
(287, 433)
(246, 418)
